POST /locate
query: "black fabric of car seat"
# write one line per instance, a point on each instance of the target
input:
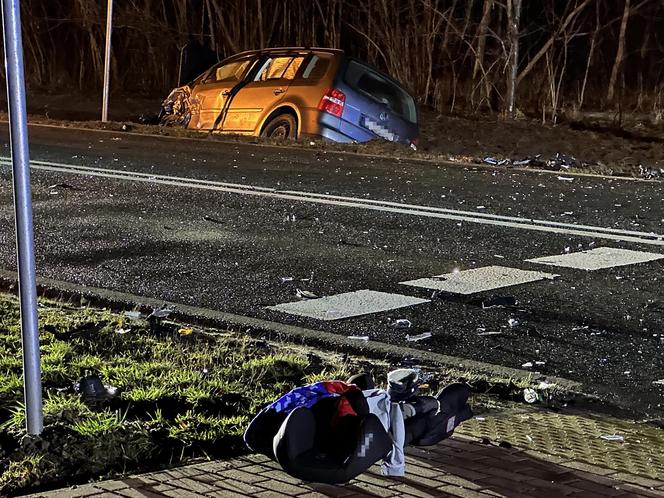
(454, 409)
(297, 454)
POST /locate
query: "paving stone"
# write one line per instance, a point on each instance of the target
(463, 492)
(110, 485)
(421, 492)
(586, 467)
(242, 476)
(641, 481)
(192, 484)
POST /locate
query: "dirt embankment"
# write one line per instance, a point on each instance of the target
(596, 145)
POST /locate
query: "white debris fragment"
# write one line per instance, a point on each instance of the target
(122, 331)
(402, 323)
(305, 294)
(513, 322)
(133, 315)
(419, 337)
(566, 178)
(613, 437)
(480, 419)
(528, 364)
(358, 337)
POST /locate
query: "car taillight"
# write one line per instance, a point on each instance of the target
(333, 102)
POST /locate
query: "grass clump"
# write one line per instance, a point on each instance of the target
(180, 397)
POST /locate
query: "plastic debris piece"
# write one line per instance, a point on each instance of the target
(133, 315)
(161, 313)
(513, 322)
(490, 332)
(122, 331)
(402, 323)
(358, 337)
(530, 396)
(283, 280)
(480, 419)
(419, 337)
(566, 178)
(659, 382)
(305, 294)
(212, 220)
(184, 331)
(613, 438)
(528, 364)
(91, 388)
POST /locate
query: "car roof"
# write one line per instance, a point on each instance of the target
(272, 50)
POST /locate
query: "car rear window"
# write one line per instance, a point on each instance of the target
(380, 89)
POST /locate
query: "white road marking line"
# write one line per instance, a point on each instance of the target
(348, 304)
(353, 202)
(598, 259)
(478, 280)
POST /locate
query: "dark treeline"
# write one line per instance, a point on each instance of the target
(455, 55)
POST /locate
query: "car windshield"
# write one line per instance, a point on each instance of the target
(379, 88)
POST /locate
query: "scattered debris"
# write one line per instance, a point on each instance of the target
(284, 280)
(513, 322)
(530, 396)
(92, 389)
(528, 364)
(358, 337)
(122, 331)
(62, 186)
(161, 313)
(134, 315)
(305, 294)
(614, 438)
(290, 218)
(499, 302)
(419, 337)
(401, 323)
(184, 331)
(212, 220)
(566, 178)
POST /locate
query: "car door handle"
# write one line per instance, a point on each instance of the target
(278, 91)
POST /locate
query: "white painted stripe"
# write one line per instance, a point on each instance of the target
(598, 259)
(353, 202)
(348, 304)
(478, 280)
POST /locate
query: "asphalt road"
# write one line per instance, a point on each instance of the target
(196, 239)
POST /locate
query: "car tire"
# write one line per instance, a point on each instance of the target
(283, 126)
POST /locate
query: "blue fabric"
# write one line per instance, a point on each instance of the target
(306, 396)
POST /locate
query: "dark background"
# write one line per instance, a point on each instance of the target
(433, 46)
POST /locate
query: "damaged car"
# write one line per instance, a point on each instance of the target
(290, 93)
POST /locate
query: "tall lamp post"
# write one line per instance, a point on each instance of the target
(18, 131)
(107, 60)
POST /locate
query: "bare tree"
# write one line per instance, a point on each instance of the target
(514, 21)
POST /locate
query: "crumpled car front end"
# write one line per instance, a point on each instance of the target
(177, 108)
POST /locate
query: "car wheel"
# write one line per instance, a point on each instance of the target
(283, 126)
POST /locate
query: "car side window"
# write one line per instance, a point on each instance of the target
(316, 68)
(279, 67)
(230, 72)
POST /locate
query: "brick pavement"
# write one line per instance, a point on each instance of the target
(458, 467)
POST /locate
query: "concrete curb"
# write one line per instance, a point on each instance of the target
(424, 160)
(115, 300)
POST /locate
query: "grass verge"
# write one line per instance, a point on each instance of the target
(182, 394)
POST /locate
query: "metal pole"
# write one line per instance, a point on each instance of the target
(18, 132)
(107, 60)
